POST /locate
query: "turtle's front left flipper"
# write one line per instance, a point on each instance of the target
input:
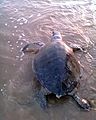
(33, 47)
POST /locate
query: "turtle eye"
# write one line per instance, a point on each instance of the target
(53, 33)
(56, 37)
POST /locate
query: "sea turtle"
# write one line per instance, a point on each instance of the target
(57, 70)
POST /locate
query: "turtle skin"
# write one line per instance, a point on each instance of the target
(57, 70)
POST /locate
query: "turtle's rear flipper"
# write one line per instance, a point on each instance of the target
(32, 47)
(41, 100)
(40, 97)
(83, 103)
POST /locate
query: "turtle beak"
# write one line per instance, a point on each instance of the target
(56, 36)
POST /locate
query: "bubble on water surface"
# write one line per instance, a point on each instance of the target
(6, 71)
(5, 85)
(25, 40)
(21, 43)
(16, 10)
(23, 34)
(9, 41)
(39, 14)
(26, 21)
(22, 20)
(13, 34)
(21, 23)
(17, 46)
(17, 56)
(21, 59)
(1, 90)
(17, 42)
(6, 24)
(20, 37)
(10, 45)
(15, 27)
(11, 18)
(12, 21)
(30, 16)
(21, 54)
(12, 48)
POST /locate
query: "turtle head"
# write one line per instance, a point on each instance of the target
(56, 36)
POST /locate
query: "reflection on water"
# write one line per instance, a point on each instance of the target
(26, 21)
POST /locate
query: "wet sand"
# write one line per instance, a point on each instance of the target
(21, 23)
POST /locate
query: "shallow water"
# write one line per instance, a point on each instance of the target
(26, 21)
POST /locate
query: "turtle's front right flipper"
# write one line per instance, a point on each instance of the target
(33, 47)
(78, 48)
